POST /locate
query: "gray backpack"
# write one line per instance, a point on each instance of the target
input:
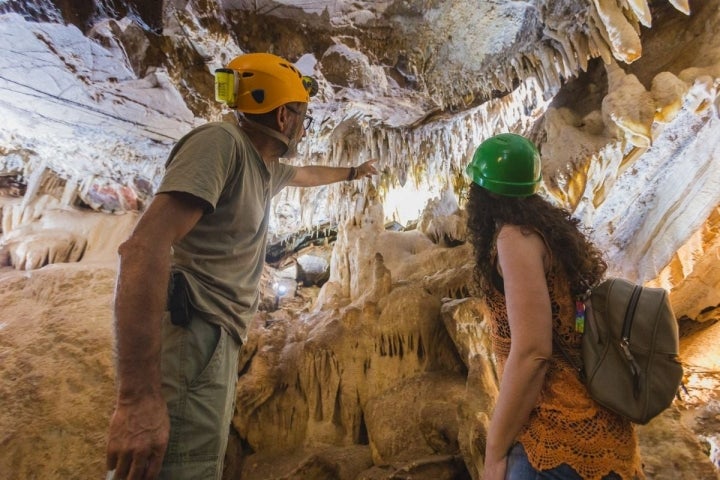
(630, 349)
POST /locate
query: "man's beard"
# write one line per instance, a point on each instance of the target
(292, 146)
(290, 143)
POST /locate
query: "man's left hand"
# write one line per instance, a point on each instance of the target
(366, 169)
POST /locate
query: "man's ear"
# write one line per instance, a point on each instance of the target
(282, 117)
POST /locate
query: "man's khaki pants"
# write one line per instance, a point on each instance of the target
(199, 368)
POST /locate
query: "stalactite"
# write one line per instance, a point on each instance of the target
(681, 5)
(620, 33)
(641, 10)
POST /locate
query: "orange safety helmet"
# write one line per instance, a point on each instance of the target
(261, 82)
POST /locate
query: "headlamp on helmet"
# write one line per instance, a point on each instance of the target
(225, 86)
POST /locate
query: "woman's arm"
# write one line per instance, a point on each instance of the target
(522, 257)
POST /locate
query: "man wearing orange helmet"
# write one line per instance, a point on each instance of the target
(189, 273)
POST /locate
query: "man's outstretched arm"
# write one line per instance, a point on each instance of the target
(314, 175)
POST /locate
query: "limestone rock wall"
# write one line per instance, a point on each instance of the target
(56, 371)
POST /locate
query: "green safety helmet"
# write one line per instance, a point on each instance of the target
(506, 164)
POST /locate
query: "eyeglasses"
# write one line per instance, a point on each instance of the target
(306, 122)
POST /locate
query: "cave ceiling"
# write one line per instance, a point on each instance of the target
(387, 65)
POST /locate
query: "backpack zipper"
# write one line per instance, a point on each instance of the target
(625, 340)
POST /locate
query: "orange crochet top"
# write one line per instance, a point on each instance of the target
(566, 425)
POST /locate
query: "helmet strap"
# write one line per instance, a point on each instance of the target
(265, 130)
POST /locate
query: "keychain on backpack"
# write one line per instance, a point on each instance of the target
(579, 316)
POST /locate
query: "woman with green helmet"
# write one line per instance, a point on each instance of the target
(531, 262)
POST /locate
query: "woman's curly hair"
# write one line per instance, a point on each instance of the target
(487, 212)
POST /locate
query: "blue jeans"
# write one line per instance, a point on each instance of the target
(519, 468)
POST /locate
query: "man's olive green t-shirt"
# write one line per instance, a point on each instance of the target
(224, 254)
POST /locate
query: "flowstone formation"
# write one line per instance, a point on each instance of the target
(382, 365)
